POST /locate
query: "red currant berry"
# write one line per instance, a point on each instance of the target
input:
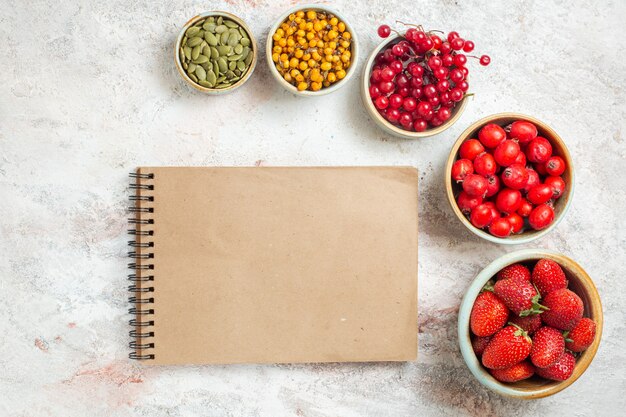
(456, 94)
(556, 184)
(420, 125)
(468, 47)
(416, 92)
(447, 60)
(436, 41)
(445, 98)
(443, 113)
(427, 44)
(430, 90)
(395, 101)
(470, 149)
(516, 221)
(525, 208)
(539, 150)
(434, 62)
(457, 44)
(381, 102)
(456, 75)
(555, 166)
(541, 217)
(423, 108)
(475, 185)
(440, 73)
(500, 227)
(406, 121)
(375, 77)
(417, 81)
(481, 216)
(409, 104)
(494, 185)
(485, 60)
(387, 74)
(443, 86)
(508, 200)
(506, 152)
(405, 91)
(435, 121)
(402, 80)
(445, 48)
(392, 115)
(523, 131)
(384, 31)
(452, 35)
(410, 34)
(386, 87)
(374, 91)
(434, 101)
(485, 164)
(396, 66)
(460, 60)
(467, 202)
(491, 135)
(463, 86)
(415, 69)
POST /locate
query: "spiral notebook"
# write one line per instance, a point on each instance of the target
(273, 265)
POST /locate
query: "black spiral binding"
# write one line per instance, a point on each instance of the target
(142, 275)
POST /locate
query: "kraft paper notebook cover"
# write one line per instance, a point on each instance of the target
(274, 265)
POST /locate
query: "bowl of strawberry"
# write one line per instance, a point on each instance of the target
(530, 324)
(415, 84)
(509, 178)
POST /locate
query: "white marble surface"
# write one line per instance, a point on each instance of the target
(88, 91)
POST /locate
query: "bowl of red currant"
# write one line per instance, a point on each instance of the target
(415, 84)
(509, 178)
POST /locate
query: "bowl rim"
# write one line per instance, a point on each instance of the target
(514, 239)
(183, 73)
(354, 51)
(384, 124)
(474, 289)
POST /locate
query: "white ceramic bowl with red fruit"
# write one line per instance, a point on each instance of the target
(530, 324)
(509, 178)
(414, 84)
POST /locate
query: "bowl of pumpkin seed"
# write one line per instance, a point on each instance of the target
(215, 52)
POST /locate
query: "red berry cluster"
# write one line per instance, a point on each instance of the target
(508, 175)
(416, 82)
(538, 339)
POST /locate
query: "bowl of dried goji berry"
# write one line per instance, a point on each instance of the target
(530, 324)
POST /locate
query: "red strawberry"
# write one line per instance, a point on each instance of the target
(509, 346)
(548, 276)
(479, 344)
(514, 271)
(529, 323)
(519, 296)
(517, 372)
(560, 370)
(581, 336)
(488, 314)
(548, 347)
(565, 309)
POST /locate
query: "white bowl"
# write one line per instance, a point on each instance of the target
(354, 51)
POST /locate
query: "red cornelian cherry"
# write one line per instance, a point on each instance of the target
(523, 131)
(475, 185)
(485, 164)
(506, 152)
(515, 176)
(539, 150)
(555, 166)
(516, 221)
(467, 202)
(508, 200)
(493, 185)
(470, 149)
(500, 227)
(491, 135)
(481, 215)
(557, 184)
(539, 194)
(525, 208)
(541, 217)
(384, 31)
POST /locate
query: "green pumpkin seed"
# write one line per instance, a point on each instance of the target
(221, 29)
(214, 53)
(220, 79)
(237, 72)
(194, 42)
(195, 52)
(238, 49)
(193, 77)
(185, 65)
(230, 24)
(224, 38)
(187, 51)
(206, 50)
(205, 83)
(199, 22)
(245, 52)
(235, 57)
(220, 19)
(192, 67)
(192, 31)
(243, 33)
(200, 73)
(221, 61)
(184, 41)
(233, 40)
(181, 54)
(208, 66)
(224, 50)
(211, 77)
(229, 74)
(223, 85)
(248, 59)
(234, 79)
(207, 25)
(201, 59)
(210, 38)
(211, 18)
(245, 41)
(216, 67)
(241, 65)
(232, 65)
